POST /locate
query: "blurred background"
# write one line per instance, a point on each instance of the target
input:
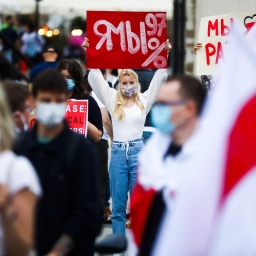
(63, 22)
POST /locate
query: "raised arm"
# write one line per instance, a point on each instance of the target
(159, 77)
(151, 93)
(101, 88)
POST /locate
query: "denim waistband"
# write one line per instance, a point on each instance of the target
(125, 145)
(130, 142)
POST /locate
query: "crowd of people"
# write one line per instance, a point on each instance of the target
(68, 181)
(57, 186)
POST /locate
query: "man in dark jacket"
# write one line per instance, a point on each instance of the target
(69, 212)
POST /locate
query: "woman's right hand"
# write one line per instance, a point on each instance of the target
(85, 43)
(168, 46)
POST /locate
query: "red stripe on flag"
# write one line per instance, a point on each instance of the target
(141, 201)
(241, 154)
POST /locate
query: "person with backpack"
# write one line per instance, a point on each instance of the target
(69, 214)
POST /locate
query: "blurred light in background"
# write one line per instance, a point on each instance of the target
(56, 32)
(45, 31)
(49, 33)
(41, 32)
(76, 32)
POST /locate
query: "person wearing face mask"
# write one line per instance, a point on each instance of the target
(162, 163)
(128, 109)
(18, 99)
(73, 73)
(69, 212)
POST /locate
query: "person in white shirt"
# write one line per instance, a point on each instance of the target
(19, 189)
(164, 162)
(32, 43)
(128, 108)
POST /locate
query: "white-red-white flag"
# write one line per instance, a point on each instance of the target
(215, 212)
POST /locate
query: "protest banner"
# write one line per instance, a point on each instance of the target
(126, 39)
(77, 116)
(214, 34)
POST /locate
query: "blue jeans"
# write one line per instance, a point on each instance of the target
(123, 171)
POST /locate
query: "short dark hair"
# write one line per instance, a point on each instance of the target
(49, 48)
(191, 88)
(31, 25)
(8, 18)
(17, 95)
(50, 80)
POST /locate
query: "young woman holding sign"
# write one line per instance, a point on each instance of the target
(73, 73)
(128, 108)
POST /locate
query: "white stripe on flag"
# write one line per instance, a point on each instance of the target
(199, 226)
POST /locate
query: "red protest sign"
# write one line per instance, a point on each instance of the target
(77, 116)
(126, 39)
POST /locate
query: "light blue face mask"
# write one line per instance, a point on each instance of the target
(71, 84)
(160, 117)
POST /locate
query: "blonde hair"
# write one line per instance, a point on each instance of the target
(7, 128)
(120, 98)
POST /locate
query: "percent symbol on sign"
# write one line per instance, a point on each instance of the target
(159, 61)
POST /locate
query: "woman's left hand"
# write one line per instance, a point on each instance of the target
(168, 46)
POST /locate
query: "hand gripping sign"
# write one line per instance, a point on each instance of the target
(126, 39)
(214, 34)
(77, 116)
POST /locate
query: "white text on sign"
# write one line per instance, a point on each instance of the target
(152, 27)
(76, 108)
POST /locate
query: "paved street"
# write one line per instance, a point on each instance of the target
(106, 231)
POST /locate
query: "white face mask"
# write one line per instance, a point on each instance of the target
(51, 114)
